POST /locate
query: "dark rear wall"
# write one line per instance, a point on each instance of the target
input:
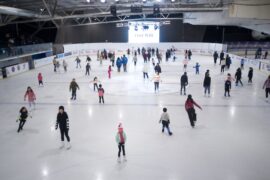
(175, 32)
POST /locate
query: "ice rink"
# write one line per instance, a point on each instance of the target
(230, 142)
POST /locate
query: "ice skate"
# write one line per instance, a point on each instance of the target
(119, 160)
(62, 145)
(68, 145)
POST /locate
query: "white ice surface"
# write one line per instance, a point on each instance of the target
(231, 140)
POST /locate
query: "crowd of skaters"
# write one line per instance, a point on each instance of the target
(62, 120)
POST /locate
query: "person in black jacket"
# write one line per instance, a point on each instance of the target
(158, 68)
(221, 56)
(228, 86)
(87, 67)
(238, 76)
(207, 84)
(215, 57)
(250, 75)
(62, 122)
(22, 118)
(184, 83)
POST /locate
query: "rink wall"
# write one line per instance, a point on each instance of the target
(121, 48)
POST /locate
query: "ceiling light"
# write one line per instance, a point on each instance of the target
(173, 0)
(103, 1)
(88, 1)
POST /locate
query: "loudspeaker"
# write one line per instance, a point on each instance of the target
(113, 10)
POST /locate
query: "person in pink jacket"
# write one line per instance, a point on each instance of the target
(101, 94)
(31, 97)
(40, 79)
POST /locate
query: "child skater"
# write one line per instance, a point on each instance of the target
(31, 97)
(165, 120)
(121, 139)
(40, 79)
(62, 122)
(95, 83)
(101, 94)
(228, 85)
(22, 118)
(197, 68)
(109, 71)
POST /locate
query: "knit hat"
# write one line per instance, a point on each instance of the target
(120, 127)
(61, 107)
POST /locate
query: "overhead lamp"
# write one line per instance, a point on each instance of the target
(173, 0)
(103, 1)
(88, 1)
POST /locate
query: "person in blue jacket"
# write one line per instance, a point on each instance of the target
(118, 64)
(197, 68)
(125, 61)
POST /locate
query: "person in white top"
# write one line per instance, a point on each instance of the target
(145, 71)
(156, 80)
(165, 120)
(223, 64)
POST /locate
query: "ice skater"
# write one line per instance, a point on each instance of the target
(135, 60)
(189, 106)
(54, 64)
(78, 61)
(207, 84)
(65, 65)
(197, 68)
(183, 83)
(95, 83)
(222, 65)
(215, 55)
(185, 62)
(228, 86)
(73, 88)
(40, 79)
(157, 68)
(87, 69)
(62, 122)
(22, 118)
(145, 70)
(266, 86)
(101, 94)
(109, 71)
(156, 80)
(238, 77)
(121, 140)
(250, 75)
(118, 64)
(31, 97)
(165, 120)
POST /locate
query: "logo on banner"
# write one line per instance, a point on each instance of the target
(13, 69)
(18, 67)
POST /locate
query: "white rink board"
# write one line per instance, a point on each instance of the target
(92, 48)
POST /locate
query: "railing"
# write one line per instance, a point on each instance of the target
(20, 50)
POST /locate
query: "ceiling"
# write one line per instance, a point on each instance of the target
(252, 14)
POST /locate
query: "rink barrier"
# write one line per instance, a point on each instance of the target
(121, 48)
(24, 67)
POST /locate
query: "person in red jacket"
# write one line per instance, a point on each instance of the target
(31, 97)
(189, 105)
(40, 79)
